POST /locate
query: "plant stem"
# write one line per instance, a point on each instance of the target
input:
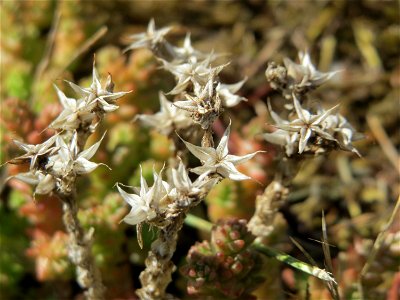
(79, 251)
(159, 267)
(267, 206)
(274, 196)
(293, 262)
(198, 223)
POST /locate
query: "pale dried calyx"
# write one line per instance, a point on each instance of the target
(55, 163)
(218, 160)
(147, 203)
(307, 132)
(168, 119)
(197, 90)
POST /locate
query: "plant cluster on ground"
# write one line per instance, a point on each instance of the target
(199, 150)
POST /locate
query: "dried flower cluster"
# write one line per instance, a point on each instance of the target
(303, 131)
(199, 99)
(296, 78)
(199, 94)
(227, 266)
(306, 130)
(55, 164)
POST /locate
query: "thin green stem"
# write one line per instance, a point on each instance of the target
(293, 262)
(198, 223)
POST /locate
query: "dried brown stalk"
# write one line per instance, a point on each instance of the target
(79, 251)
(159, 267)
(267, 205)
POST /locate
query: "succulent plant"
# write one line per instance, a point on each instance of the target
(226, 266)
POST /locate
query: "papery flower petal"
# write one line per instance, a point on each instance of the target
(107, 107)
(160, 188)
(293, 127)
(132, 199)
(144, 188)
(274, 115)
(151, 120)
(278, 137)
(181, 179)
(234, 159)
(46, 185)
(114, 96)
(226, 93)
(186, 105)
(202, 153)
(218, 160)
(135, 216)
(324, 134)
(68, 103)
(165, 105)
(25, 147)
(167, 119)
(303, 114)
(222, 148)
(150, 38)
(27, 177)
(73, 145)
(82, 92)
(202, 169)
(184, 177)
(203, 181)
(228, 170)
(305, 134)
(83, 166)
(88, 153)
(321, 117)
(63, 153)
(180, 87)
(96, 85)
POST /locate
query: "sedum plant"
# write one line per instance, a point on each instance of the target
(199, 99)
(304, 130)
(227, 266)
(230, 264)
(56, 164)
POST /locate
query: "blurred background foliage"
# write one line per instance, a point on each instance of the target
(44, 42)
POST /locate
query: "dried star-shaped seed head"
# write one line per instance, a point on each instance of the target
(187, 52)
(168, 119)
(74, 114)
(186, 187)
(343, 132)
(286, 139)
(189, 73)
(97, 97)
(204, 106)
(227, 92)
(35, 153)
(45, 183)
(147, 203)
(305, 74)
(332, 129)
(281, 137)
(69, 160)
(307, 124)
(218, 160)
(150, 39)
